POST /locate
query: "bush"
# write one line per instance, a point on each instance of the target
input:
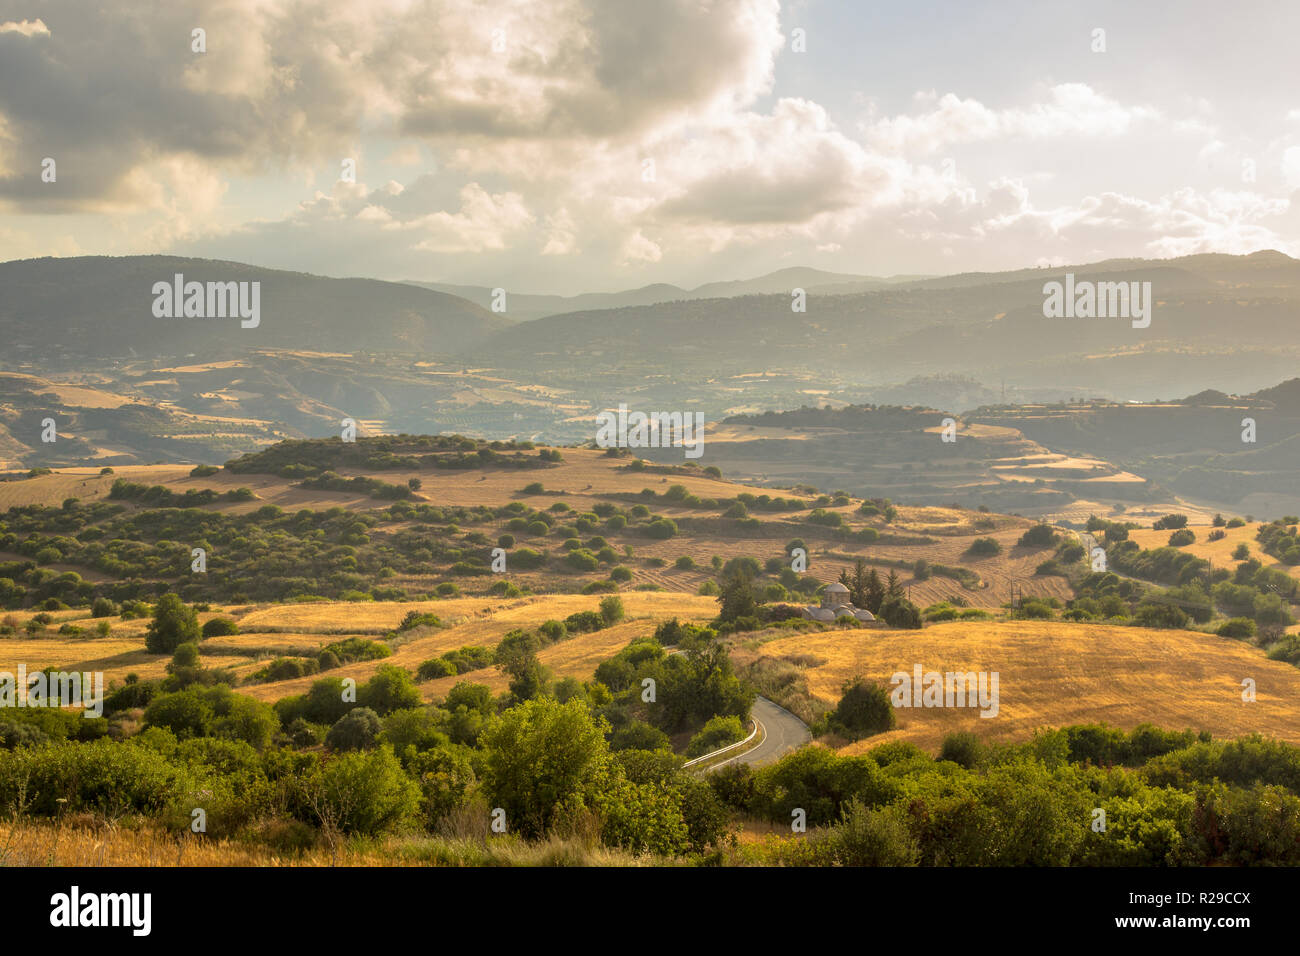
(962, 748)
(584, 622)
(985, 547)
(872, 837)
(863, 710)
(355, 730)
(434, 668)
(390, 688)
(220, 627)
(611, 610)
(900, 612)
(582, 560)
(553, 631)
(1160, 615)
(638, 735)
(363, 793)
(1182, 537)
(186, 655)
(1039, 536)
(103, 607)
(716, 734)
(1240, 628)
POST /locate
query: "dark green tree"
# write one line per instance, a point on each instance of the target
(174, 623)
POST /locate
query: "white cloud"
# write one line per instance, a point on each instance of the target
(26, 28)
(1070, 110)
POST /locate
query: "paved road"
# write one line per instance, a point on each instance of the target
(784, 732)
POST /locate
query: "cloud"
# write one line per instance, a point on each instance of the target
(509, 137)
(1070, 110)
(26, 28)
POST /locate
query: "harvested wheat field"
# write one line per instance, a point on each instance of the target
(573, 657)
(1218, 552)
(1052, 674)
(114, 656)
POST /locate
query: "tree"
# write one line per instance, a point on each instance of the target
(894, 587)
(545, 761)
(516, 656)
(873, 592)
(355, 730)
(737, 597)
(900, 612)
(174, 623)
(391, 688)
(986, 546)
(863, 710)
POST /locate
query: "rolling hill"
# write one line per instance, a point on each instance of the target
(1239, 311)
(100, 308)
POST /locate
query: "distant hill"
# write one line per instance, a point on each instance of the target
(524, 307)
(102, 307)
(1222, 322)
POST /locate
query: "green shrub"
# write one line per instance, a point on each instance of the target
(355, 730)
(864, 709)
(364, 793)
(716, 734)
(611, 610)
(220, 627)
(103, 607)
(984, 547)
(872, 837)
(1039, 536)
(1241, 628)
(434, 668)
(962, 748)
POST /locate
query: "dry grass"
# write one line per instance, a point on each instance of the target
(103, 843)
(116, 656)
(1218, 552)
(1056, 673)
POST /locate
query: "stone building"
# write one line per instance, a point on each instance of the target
(835, 604)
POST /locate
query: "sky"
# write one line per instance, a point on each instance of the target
(564, 146)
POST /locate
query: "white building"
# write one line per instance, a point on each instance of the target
(835, 604)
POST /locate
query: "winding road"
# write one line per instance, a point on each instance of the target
(782, 733)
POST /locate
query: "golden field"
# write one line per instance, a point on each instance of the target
(297, 629)
(1052, 674)
(573, 657)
